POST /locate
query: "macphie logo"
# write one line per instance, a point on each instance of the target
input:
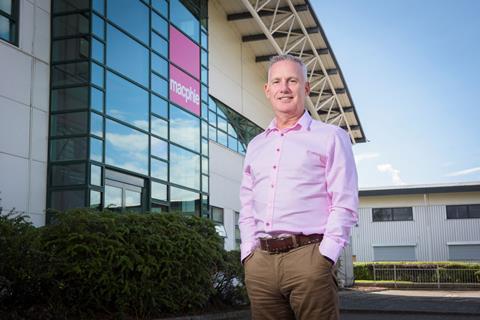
(189, 94)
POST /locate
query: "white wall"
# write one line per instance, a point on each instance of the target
(430, 230)
(24, 105)
(235, 78)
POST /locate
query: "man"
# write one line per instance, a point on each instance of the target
(299, 199)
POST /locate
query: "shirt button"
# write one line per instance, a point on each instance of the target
(268, 224)
(278, 149)
(282, 134)
(274, 167)
(273, 185)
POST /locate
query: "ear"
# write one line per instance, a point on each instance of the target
(266, 89)
(307, 88)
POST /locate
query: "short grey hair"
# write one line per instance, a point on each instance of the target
(288, 57)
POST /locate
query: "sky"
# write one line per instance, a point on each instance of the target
(413, 71)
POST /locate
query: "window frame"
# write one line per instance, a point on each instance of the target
(410, 209)
(467, 206)
(14, 18)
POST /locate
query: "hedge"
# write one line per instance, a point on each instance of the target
(364, 271)
(88, 264)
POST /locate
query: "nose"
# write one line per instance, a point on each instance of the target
(284, 86)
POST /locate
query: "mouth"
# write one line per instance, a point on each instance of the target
(287, 98)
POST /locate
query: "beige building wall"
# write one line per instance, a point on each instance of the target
(235, 78)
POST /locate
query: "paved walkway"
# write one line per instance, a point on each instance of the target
(411, 301)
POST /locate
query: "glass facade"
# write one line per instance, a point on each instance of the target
(9, 21)
(125, 129)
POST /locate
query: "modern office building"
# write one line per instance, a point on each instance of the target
(148, 105)
(419, 223)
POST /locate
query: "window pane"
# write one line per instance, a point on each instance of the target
(159, 191)
(126, 148)
(95, 175)
(97, 50)
(99, 6)
(184, 128)
(159, 208)
(132, 16)
(402, 214)
(68, 124)
(204, 75)
(113, 197)
(457, 212)
(161, 6)
(184, 167)
(133, 199)
(70, 5)
(160, 65)
(98, 27)
(212, 118)
(159, 127)
(204, 111)
(95, 199)
(96, 149)
(6, 6)
(97, 75)
(205, 147)
(204, 129)
(184, 20)
(159, 148)
(67, 199)
(222, 123)
(212, 133)
(127, 56)
(69, 25)
(204, 165)
(70, 99)
(382, 214)
(159, 106)
(68, 149)
(204, 93)
(126, 101)
(159, 44)
(217, 214)
(204, 58)
(222, 138)
(159, 169)
(70, 49)
(96, 99)
(474, 211)
(72, 174)
(159, 85)
(70, 74)
(204, 40)
(184, 201)
(232, 143)
(204, 183)
(96, 125)
(159, 24)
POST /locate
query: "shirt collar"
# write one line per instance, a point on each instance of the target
(303, 123)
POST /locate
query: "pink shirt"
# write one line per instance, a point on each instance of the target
(300, 179)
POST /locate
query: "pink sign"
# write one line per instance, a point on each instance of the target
(184, 52)
(184, 90)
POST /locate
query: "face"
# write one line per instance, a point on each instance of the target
(286, 88)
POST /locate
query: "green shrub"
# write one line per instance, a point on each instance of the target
(131, 263)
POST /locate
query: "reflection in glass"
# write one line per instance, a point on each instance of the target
(97, 50)
(159, 208)
(67, 199)
(159, 24)
(204, 40)
(204, 165)
(68, 149)
(204, 147)
(204, 183)
(69, 25)
(95, 199)
(159, 148)
(96, 124)
(204, 111)
(159, 169)
(133, 199)
(126, 101)
(184, 20)
(204, 129)
(97, 75)
(159, 106)
(184, 201)
(98, 27)
(96, 99)
(204, 58)
(96, 149)
(212, 133)
(159, 191)
(68, 124)
(212, 118)
(70, 74)
(159, 85)
(222, 123)
(184, 167)
(159, 65)
(95, 175)
(70, 99)
(126, 148)
(161, 6)
(113, 197)
(71, 174)
(70, 49)
(222, 138)
(232, 143)
(204, 93)
(132, 16)
(204, 75)
(184, 128)
(160, 45)
(99, 6)
(159, 127)
(127, 56)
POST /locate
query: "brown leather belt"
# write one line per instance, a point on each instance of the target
(279, 245)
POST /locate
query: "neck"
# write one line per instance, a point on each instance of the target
(287, 120)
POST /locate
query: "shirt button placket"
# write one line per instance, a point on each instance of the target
(273, 183)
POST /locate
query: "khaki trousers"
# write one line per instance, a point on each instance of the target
(298, 284)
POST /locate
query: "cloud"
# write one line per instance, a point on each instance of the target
(463, 172)
(395, 173)
(366, 156)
